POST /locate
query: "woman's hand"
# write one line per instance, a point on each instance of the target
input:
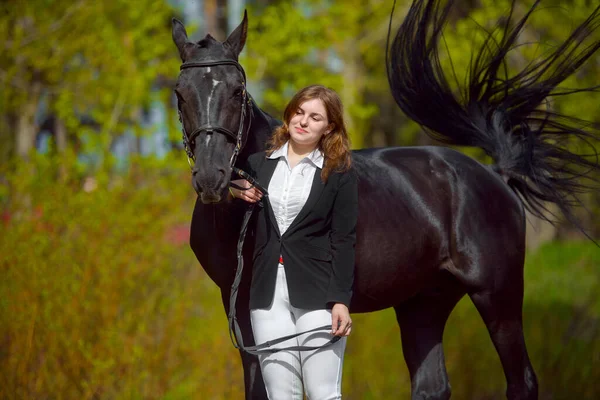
(341, 323)
(251, 195)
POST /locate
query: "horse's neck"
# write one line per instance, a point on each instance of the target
(261, 128)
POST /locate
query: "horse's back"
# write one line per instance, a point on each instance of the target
(419, 208)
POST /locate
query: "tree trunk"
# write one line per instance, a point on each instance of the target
(215, 16)
(25, 139)
(60, 132)
(60, 137)
(352, 94)
(7, 143)
(26, 128)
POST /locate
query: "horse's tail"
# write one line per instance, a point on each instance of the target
(502, 115)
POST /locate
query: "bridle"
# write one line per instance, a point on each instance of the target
(246, 110)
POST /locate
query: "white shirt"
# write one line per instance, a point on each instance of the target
(289, 187)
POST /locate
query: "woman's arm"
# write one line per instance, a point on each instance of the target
(343, 239)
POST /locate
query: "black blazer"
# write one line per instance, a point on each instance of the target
(317, 248)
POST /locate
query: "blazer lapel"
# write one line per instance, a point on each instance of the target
(264, 176)
(315, 193)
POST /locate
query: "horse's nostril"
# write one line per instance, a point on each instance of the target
(220, 181)
(196, 186)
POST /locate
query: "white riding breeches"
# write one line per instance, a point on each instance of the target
(287, 373)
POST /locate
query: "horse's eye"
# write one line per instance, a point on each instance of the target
(238, 92)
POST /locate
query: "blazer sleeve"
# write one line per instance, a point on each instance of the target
(343, 240)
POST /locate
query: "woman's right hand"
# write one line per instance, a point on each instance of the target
(251, 195)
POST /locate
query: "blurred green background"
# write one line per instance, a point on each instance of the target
(100, 294)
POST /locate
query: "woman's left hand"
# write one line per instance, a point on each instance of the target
(341, 323)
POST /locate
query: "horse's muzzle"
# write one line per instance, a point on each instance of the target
(211, 189)
(210, 198)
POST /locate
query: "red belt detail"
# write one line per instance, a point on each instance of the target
(280, 260)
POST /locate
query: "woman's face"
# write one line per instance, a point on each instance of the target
(309, 123)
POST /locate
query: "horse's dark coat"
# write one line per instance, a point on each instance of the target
(433, 226)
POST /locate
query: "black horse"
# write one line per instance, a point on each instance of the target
(433, 224)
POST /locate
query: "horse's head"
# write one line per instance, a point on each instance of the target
(213, 105)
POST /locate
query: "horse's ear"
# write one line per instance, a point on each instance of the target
(237, 39)
(180, 37)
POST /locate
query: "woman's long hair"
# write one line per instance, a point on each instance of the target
(501, 114)
(335, 145)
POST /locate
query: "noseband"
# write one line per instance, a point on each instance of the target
(189, 140)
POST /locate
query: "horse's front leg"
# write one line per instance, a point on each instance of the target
(253, 381)
(254, 386)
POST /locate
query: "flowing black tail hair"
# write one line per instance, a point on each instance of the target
(498, 113)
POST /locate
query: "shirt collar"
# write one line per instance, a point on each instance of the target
(315, 156)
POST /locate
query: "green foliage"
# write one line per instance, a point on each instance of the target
(339, 44)
(100, 59)
(100, 296)
(95, 59)
(541, 35)
(342, 44)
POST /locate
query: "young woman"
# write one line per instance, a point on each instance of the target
(303, 261)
